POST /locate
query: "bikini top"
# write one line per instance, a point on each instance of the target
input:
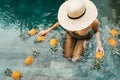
(82, 37)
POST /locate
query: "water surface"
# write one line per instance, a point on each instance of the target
(17, 17)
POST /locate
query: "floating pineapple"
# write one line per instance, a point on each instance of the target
(30, 59)
(98, 59)
(32, 32)
(112, 42)
(114, 32)
(97, 64)
(39, 39)
(16, 75)
(53, 42)
(99, 55)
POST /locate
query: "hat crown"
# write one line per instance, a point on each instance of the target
(75, 8)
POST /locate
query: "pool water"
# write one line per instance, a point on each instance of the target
(17, 17)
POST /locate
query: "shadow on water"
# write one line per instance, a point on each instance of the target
(19, 16)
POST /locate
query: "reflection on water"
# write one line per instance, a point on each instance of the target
(17, 17)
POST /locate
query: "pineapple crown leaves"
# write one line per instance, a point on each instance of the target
(8, 72)
(35, 54)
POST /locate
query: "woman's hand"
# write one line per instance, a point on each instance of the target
(43, 32)
(100, 48)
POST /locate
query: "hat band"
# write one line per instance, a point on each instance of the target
(78, 16)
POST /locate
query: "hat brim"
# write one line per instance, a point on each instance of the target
(80, 23)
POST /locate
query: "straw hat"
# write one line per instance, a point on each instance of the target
(74, 15)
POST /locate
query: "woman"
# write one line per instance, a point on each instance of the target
(79, 18)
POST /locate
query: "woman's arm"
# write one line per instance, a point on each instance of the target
(97, 33)
(44, 32)
(54, 26)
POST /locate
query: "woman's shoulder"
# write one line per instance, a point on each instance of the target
(96, 22)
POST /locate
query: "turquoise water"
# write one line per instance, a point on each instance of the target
(17, 17)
